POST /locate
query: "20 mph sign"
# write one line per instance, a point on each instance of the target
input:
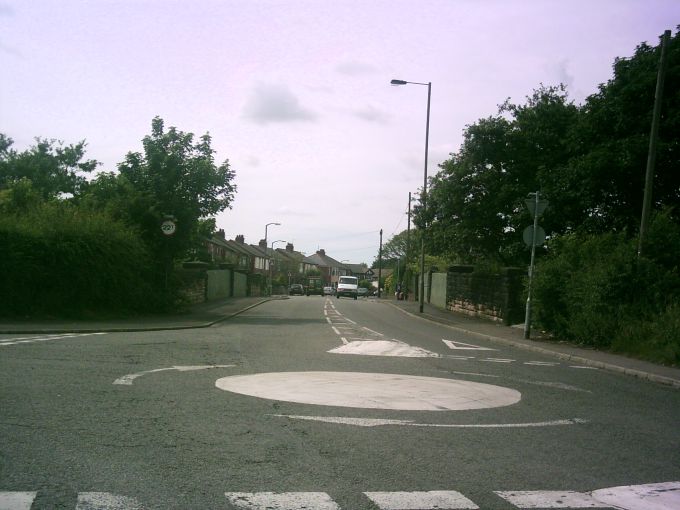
(168, 227)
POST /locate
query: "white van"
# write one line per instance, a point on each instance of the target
(347, 286)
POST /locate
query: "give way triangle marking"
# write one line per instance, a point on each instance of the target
(460, 346)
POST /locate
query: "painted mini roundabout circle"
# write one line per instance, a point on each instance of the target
(371, 390)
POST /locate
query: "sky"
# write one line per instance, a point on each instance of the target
(296, 94)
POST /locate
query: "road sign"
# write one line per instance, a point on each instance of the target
(168, 227)
(528, 235)
(531, 204)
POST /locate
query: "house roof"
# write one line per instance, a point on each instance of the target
(321, 259)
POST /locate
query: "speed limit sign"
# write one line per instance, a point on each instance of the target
(168, 227)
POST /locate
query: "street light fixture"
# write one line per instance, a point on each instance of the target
(423, 196)
(270, 265)
(266, 255)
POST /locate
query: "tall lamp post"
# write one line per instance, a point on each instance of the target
(270, 265)
(423, 196)
(266, 255)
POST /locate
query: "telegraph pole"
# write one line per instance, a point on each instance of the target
(380, 264)
(653, 137)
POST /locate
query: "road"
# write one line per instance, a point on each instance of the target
(324, 404)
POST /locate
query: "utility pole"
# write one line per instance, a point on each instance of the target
(653, 137)
(408, 233)
(380, 264)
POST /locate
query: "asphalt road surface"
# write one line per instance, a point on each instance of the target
(323, 403)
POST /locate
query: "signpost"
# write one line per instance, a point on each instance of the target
(168, 227)
(533, 235)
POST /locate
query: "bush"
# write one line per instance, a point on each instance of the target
(594, 290)
(55, 260)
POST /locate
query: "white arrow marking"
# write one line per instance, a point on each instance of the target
(377, 422)
(444, 500)
(281, 501)
(105, 501)
(460, 346)
(128, 379)
(16, 500)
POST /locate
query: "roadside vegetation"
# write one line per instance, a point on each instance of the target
(73, 247)
(589, 161)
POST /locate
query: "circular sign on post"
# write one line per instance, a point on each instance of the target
(168, 227)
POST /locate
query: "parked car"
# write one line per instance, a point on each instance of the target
(328, 291)
(363, 292)
(296, 289)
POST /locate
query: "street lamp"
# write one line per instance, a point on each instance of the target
(423, 196)
(270, 265)
(266, 256)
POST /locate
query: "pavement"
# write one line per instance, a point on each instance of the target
(207, 314)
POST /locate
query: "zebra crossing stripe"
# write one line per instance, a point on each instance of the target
(443, 500)
(106, 501)
(550, 499)
(16, 500)
(282, 501)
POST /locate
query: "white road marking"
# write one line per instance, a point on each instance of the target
(335, 330)
(371, 331)
(344, 340)
(30, 340)
(498, 360)
(465, 347)
(383, 348)
(16, 500)
(371, 390)
(379, 422)
(586, 368)
(282, 501)
(653, 496)
(105, 501)
(444, 500)
(451, 356)
(550, 499)
(541, 363)
(129, 378)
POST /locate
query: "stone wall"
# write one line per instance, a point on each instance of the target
(495, 296)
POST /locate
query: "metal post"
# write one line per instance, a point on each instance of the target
(380, 264)
(527, 316)
(423, 200)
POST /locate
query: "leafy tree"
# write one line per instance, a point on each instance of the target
(175, 177)
(52, 168)
(476, 202)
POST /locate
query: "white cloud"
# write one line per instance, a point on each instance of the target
(353, 68)
(275, 103)
(372, 114)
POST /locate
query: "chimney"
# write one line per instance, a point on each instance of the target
(289, 247)
(240, 239)
(321, 252)
(220, 234)
(263, 244)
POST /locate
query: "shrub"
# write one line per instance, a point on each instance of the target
(594, 290)
(56, 260)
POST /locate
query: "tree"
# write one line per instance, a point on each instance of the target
(394, 250)
(476, 202)
(52, 168)
(175, 178)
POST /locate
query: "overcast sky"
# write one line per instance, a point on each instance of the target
(296, 94)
